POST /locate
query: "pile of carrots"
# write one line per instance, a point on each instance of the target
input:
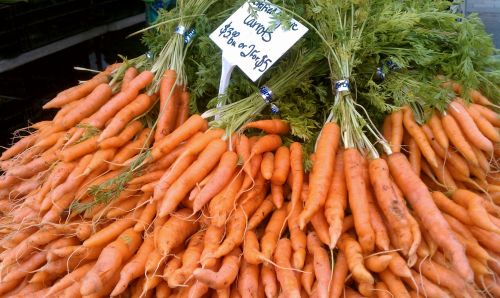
(210, 216)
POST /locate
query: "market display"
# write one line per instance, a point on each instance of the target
(363, 163)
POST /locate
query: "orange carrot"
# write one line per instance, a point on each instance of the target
(297, 236)
(124, 137)
(469, 127)
(419, 197)
(19, 146)
(213, 236)
(438, 131)
(377, 263)
(273, 232)
(76, 92)
(223, 203)
(357, 190)
(248, 282)
(195, 173)
(415, 156)
(281, 166)
(417, 134)
(134, 109)
(261, 213)
(168, 102)
(487, 113)
(269, 281)
(320, 226)
(288, 281)
(340, 271)
(394, 284)
(352, 251)
(322, 268)
(277, 195)
(190, 261)
(457, 138)
(171, 175)
(226, 274)
(270, 126)
(182, 107)
(442, 276)
(396, 130)
(110, 232)
(267, 165)
(220, 178)
(131, 150)
(486, 128)
(177, 229)
(128, 76)
(322, 171)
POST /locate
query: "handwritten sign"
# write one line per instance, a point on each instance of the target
(248, 40)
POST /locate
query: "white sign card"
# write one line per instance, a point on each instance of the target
(247, 40)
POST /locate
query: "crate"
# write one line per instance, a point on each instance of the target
(27, 26)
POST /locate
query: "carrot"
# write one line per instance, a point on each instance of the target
(442, 276)
(417, 134)
(350, 293)
(110, 232)
(322, 171)
(223, 203)
(182, 107)
(270, 126)
(379, 227)
(487, 113)
(236, 226)
(425, 286)
(190, 261)
(226, 274)
(449, 155)
(86, 107)
(251, 249)
(273, 232)
(394, 284)
(109, 262)
(281, 166)
(357, 190)
(177, 229)
(469, 127)
(475, 209)
(486, 128)
(392, 207)
(120, 100)
(286, 277)
(297, 236)
(261, 213)
(170, 176)
(396, 130)
(382, 290)
(76, 92)
(308, 277)
(20, 146)
(415, 156)
(352, 251)
(267, 165)
(128, 76)
(419, 197)
(194, 174)
(131, 150)
(378, 263)
(213, 236)
(168, 102)
(220, 179)
(297, 171)
(438, 131)
(243, 149)
(322, 268)
(320, 226)
(137, 107)
(24, 268)
(33, 167)
(268, 277)
(340, 271)
(124, 137)
(248, 282)
(458, 139)
(277, 195)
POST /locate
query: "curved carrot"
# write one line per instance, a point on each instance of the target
(469, 127)
(486, 128)
(125, 136)
(457, 138)
(378, 263)
(226, 274)
(352, 251)
(128, 76)
(419, 197)
(487, 113)
(322, 171)
(270, 126)
(416, 133)
(438, 130)
(396, 130)
(221, 206)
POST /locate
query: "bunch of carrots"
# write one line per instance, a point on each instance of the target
(185, 211)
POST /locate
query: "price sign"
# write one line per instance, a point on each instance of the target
(248, 40)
